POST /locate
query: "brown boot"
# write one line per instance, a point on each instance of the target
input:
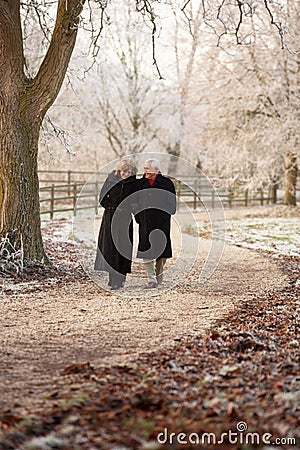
(159, 279)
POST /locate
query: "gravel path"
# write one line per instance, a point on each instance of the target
(45, 330)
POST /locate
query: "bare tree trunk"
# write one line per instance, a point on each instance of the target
(291, 170)
(19, 187)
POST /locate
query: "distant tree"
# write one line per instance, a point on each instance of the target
(181, 45)
(128, 94)
(252, 116)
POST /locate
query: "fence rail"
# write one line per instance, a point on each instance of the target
(61, 194)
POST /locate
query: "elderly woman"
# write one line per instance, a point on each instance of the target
(114, 252)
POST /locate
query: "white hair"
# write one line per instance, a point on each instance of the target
(155, 163)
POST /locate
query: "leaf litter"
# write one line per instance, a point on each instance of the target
(243, 370)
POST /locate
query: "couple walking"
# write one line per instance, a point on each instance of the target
(152, 201)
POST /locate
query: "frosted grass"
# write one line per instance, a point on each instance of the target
(279, 236)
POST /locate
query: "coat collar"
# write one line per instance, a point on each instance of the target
(158, 179)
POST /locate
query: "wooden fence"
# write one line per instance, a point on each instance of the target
(62, 198)
(61, 190)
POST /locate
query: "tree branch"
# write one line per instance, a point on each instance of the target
(278, 25)
(44, 88)
(147, 8)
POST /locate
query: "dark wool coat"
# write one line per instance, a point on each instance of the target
(156, 203)
(114, 252)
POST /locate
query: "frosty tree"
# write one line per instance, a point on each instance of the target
(252, 107)
(128, 94)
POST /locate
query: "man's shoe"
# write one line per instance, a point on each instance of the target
(151, 285)
(159, 279)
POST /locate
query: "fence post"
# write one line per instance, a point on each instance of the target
(74, 197)
(261, 197)
(246, 197)
(274, 193)
(198, 190)
(52, 202)
(230, 197)
(96, 196)
(69, 182)
(213, 198)
(178, 187)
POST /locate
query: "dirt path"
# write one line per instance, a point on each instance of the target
(46, 330)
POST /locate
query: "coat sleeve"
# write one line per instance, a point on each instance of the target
(104, 199)
(171, 203)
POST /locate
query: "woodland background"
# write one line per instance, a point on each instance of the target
(222, 97)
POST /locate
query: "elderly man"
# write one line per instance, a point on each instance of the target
(156, 204)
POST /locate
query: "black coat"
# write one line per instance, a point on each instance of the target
(114, 252)
(156, 204)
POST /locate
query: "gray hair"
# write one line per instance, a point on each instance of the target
(155, 163)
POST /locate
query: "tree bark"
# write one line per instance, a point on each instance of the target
(19, 189)
(291, 171)
(23, 105)
(19, 200)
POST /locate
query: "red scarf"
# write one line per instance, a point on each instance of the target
(152, 181)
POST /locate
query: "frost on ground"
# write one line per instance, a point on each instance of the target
(274, 229)
(276, 236)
